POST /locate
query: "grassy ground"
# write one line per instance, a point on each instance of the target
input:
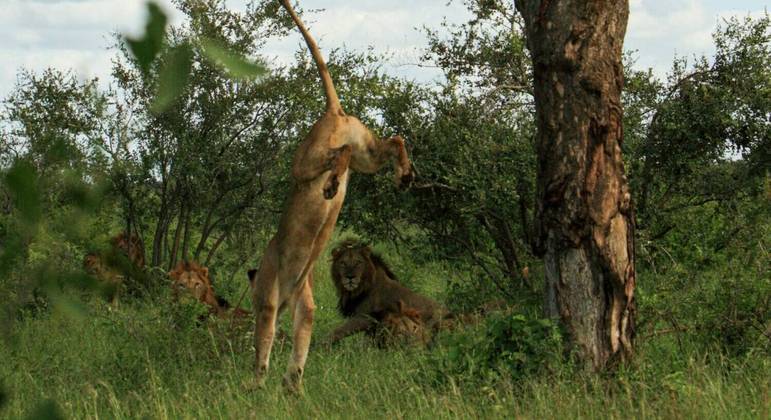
(146, 360)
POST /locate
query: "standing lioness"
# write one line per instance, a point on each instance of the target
(336, 143)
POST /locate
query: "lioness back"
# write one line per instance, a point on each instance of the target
(393, 292)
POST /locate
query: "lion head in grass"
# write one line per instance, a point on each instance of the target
(401, 325)
(189, 277)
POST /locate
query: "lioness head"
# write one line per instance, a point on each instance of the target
(402, 325)
(93, 264)
(352, 267)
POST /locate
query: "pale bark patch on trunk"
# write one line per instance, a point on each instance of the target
(581, 288)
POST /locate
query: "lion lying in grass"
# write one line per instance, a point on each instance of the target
(190, 277)
(375, 302)
(402, 326)
(125, 257)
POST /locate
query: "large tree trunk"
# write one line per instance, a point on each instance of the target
(585, 219)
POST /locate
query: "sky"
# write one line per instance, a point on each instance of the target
(75, 34)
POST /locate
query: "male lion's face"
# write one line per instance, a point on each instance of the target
(350, 265)
(192, 281)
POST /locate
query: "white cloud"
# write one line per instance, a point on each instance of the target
(75, 34)
(661, 29)
(72, 34)
(85, 64)
(394, 28)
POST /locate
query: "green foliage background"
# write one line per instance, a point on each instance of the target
(190, 147)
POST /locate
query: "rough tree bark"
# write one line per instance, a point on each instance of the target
(585, 221)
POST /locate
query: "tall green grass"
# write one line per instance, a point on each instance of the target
(145, 359)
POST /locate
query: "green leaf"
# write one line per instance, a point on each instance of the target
(21, 180)
(12, 250)
(174, 77)
(235, 64)
(84, 196)
(145, 49)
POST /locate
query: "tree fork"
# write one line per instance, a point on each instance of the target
(585, 219)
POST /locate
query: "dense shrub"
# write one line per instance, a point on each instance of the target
(503, 346)
(725, 308)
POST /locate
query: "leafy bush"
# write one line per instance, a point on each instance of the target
(187, 313)
(466, 293)
(503, 346)
(719, 301)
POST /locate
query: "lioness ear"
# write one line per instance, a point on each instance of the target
(205, 271)
(252, 273)
(400, 306)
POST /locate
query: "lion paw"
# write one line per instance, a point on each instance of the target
(293, 382)
(330, 188)
(406, 180)
(254, 384)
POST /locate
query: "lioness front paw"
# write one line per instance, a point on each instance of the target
(406, 180)
(330, 188)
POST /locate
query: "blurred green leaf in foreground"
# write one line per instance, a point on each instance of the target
(145, 49)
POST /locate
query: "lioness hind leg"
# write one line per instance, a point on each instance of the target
(265, 295)
(302, 327)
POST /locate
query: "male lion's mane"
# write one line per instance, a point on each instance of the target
(348, 302)
(207, 297)
(378, 296)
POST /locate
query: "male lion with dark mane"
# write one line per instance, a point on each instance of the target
(374, 302)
